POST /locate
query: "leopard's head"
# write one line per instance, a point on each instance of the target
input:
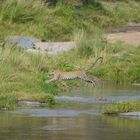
(53, 72)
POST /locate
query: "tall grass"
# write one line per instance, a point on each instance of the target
(17, 11)
(30, 17)
(33, 18)
(120, 13)
(121, 61)
(89, 44)
(22, 76)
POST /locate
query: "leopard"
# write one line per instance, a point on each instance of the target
(71, 75)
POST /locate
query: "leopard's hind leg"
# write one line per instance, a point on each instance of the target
(88, 79)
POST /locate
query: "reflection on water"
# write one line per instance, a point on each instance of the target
(107, 99)
(60, 124)
(55, 112)
(68, 128)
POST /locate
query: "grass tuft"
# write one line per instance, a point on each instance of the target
(121, 107)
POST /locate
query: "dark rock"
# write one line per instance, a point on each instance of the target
(24, 42)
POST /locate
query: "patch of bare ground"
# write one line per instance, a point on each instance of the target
(131, 38)
(129, 34)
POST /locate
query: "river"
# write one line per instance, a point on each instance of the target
(79, 118)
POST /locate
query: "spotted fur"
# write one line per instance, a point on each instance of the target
(79, 74)
(62, 75)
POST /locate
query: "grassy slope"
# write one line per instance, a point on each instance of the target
(29, 17)
(22, 75)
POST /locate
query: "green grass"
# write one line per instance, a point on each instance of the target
(120, 62)
(22, 75)
(121, 107)
(31, 18)
(7, 103)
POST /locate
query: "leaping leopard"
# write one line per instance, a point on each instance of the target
(79, 74)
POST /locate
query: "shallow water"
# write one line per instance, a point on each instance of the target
(79, 119)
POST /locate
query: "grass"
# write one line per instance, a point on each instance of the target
(31, 18)
(7, 103)
(121, 107)
(22, 75)
(120, 65)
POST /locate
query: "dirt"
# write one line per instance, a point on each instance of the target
(131, 38)
(129, 34)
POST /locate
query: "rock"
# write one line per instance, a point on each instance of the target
(136, 84)
(131, 114)
(4, 109)
(36, 46)
(31, 103)
(54, 48)
(133, 24)
(24, 42)
(37, 52)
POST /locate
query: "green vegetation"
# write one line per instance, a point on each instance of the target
(22, 75)
(121, 107)
(120, 65)
(7, 103)
(32, 18)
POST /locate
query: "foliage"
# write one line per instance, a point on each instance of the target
(121, 107)
(32, 18)
(89, 44)
(22, 75)
(7, 103)
(50, 100)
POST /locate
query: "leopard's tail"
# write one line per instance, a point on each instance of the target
(99, 58)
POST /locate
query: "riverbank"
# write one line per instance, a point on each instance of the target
(22, 74)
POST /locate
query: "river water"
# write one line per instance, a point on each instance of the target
(79, 118)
